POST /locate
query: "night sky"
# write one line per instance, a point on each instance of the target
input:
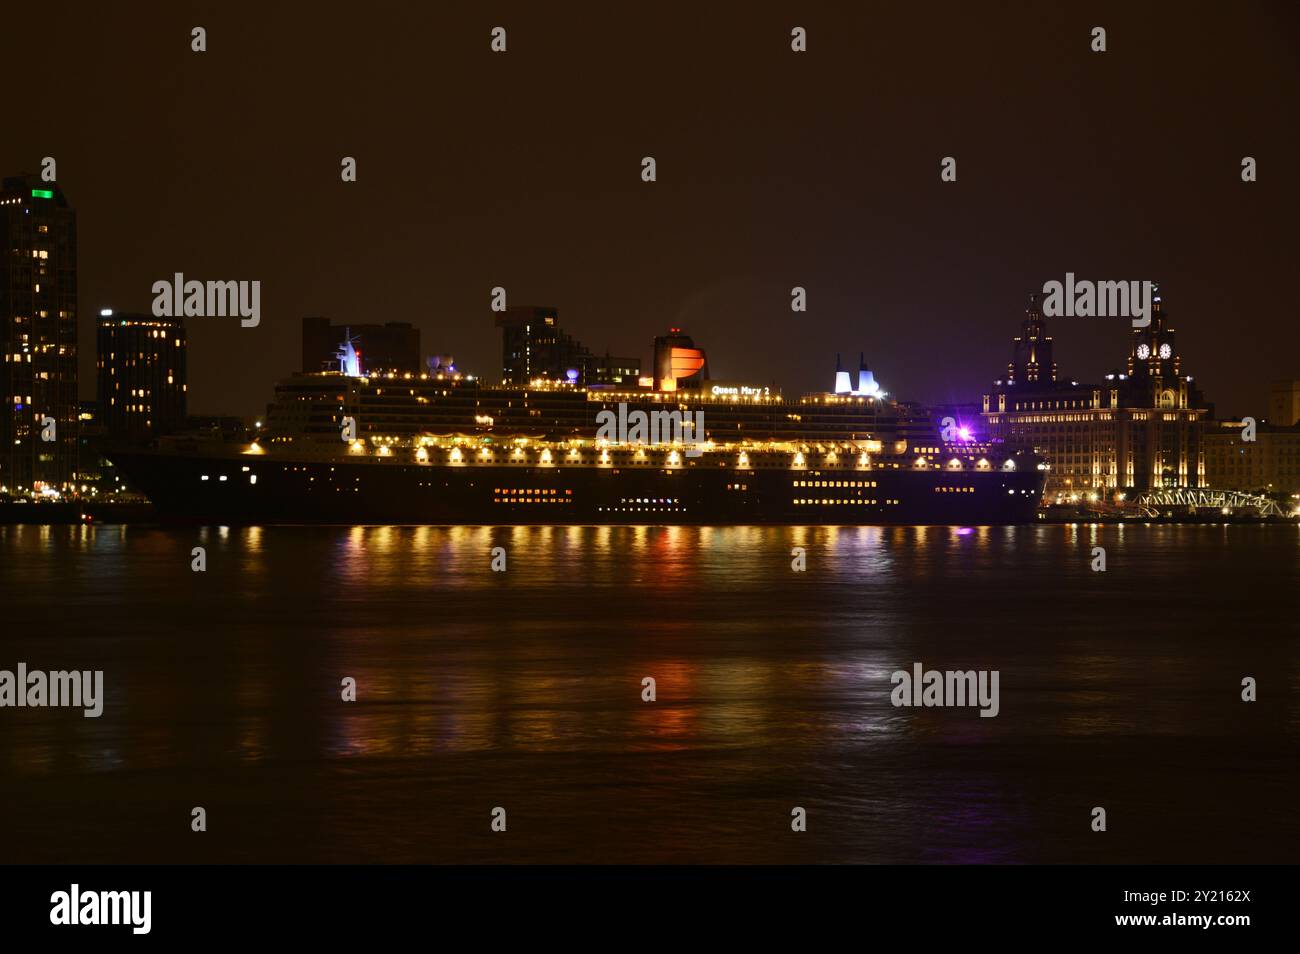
(775, 169)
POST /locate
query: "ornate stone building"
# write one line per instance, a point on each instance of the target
(1137, 430)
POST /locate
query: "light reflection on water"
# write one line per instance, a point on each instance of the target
(773, 688)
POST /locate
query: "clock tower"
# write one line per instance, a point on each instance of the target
(1155, 376)
(1153, 352)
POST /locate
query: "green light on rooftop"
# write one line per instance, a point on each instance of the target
(42, 194)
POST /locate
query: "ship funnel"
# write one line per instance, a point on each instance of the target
(842, 383)
(866, 380)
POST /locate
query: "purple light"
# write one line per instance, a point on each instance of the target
(571, 374)
(963, 433)
(964, 531)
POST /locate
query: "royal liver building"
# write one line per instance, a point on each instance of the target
(1137, 430)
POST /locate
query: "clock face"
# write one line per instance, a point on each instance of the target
(1143, 352)
(1165, 351)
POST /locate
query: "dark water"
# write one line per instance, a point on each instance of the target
(523, 690)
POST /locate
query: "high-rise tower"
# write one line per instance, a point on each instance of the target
(38, 337)
(141, 383)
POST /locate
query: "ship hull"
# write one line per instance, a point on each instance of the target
(259, 490)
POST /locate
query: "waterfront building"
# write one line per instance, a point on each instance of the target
(38, 338)
(534, 348)
(1139, 429)
(1284, 403)
(141, 385)
(1269, 464)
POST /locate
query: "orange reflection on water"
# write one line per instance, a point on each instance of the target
(670, 720)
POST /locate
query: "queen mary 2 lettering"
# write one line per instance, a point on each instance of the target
(447, 449)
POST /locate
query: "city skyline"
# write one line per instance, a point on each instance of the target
(1141, 429)
(922, 275)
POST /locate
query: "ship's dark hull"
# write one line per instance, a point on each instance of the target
(264, 490)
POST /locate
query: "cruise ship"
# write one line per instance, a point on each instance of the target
(446, 449)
